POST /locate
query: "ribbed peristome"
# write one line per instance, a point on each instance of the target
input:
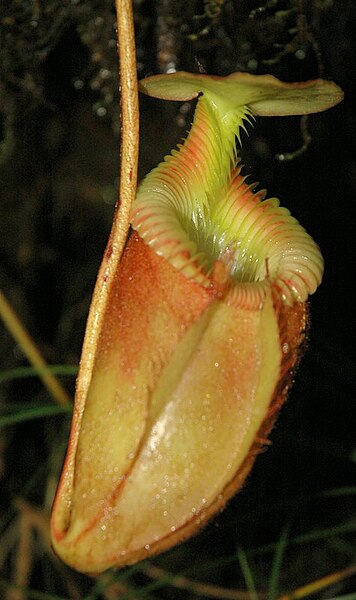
(196, 208)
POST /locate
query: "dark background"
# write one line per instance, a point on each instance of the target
(59, 104)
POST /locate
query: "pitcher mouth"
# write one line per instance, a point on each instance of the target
(196, 209)
(256, 240)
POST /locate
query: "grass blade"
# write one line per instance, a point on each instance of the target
(247, 573)
(273, 583)
(24, 372)
(33, 412)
